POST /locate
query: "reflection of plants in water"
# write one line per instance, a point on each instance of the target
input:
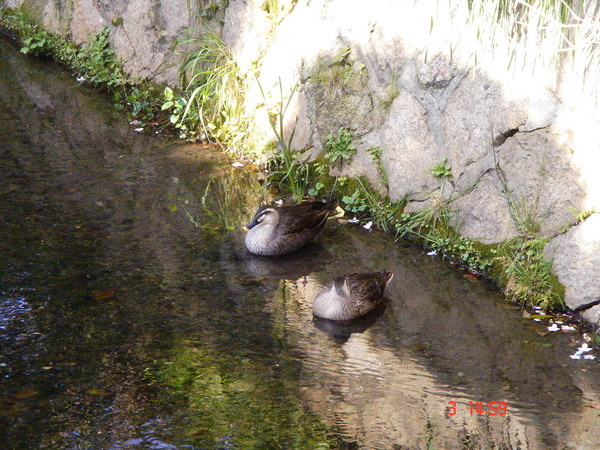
(240, 402)
(224, 201)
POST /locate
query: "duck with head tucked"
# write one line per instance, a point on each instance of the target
(351, 296)
(280, 230)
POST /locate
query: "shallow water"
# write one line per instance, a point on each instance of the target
(131, 314)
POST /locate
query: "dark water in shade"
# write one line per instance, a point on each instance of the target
(131, 315)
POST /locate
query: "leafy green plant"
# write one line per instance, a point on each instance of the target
(286, 167)
(38, 44)
(211, 101)
(584, 215)
(375, 153)
(339, 147)
(527, 275)
(441, 170)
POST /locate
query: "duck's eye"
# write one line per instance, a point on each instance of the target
(264, 214)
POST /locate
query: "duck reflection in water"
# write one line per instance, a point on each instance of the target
(312, 258)
(340, 332)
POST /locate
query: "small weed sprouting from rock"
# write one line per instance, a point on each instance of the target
(286, 167)
(527, 275)
(441, 170)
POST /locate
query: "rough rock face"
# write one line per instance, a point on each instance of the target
(521, 139)
(143, 32)
(576, 256)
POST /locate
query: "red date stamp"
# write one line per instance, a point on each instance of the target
(481, 408)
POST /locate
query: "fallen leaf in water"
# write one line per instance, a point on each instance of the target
(472, 278)
(98, 392)
(25, 394)
(103, 295)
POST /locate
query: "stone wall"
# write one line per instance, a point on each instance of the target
(416, 79)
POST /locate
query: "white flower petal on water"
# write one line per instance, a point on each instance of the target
(589, 357)
(279, 202)
(554, 327)
(432, 253)
(368, 225)
(575, 356)
(584, 348)
(567, 328)
(537, 320)
(80, 79)
(237, 164)
(139, 129)
(353, 220)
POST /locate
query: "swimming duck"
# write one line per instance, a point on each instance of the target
(279, 230)
(351, 296)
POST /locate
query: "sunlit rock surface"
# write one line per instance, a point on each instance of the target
(576, 259)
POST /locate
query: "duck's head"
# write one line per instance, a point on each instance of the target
(266, 215)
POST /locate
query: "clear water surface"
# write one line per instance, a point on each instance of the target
(131, 315)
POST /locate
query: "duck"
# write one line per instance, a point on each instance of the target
(278, 230)
(350, 296)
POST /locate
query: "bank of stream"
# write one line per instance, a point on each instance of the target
(131, 314)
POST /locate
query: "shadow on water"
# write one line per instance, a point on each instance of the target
(131, 314)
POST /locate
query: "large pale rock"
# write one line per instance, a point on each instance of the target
(576, 259)
(541, 182)
(483, 212)
(409, 149)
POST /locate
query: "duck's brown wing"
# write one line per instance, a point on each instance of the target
(367, 287)
(306, 216)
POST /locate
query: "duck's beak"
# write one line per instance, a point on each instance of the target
(250, 225)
